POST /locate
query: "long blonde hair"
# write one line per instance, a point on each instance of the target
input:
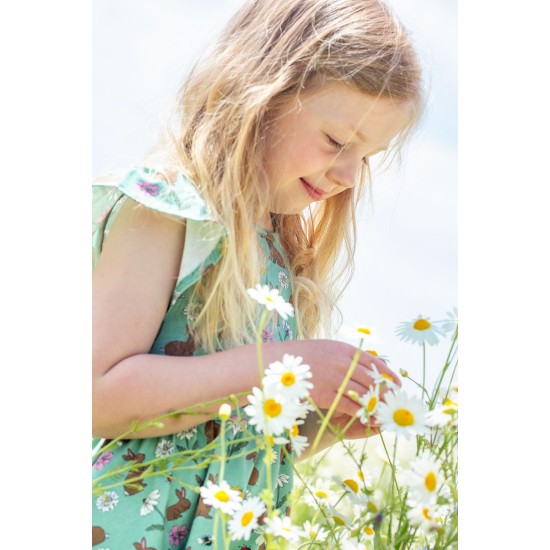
(268, 53)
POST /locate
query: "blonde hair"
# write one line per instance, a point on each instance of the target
(269, 53)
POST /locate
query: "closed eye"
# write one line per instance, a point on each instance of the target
(336, 144)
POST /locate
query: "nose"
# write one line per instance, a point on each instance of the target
(344, 171)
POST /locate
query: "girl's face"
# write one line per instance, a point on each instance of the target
(316, 144)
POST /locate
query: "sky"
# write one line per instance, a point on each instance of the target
(406, 262)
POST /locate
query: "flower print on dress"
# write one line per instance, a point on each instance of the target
(177, 534)
(152, 189)
(283, 279)
(107, 501)
(103, 459)
(192, 311)
(187, 434)
(288, 331)
(164, 448)
(150, 502)
(268, 335)
(282, 479)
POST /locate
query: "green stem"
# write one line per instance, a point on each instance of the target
(334, 404)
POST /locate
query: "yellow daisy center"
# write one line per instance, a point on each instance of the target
(372, 352)
(360, 475)
(371, 506)
(272, 408)
(403, 417)
(270, 439)
(426, 513)
(372, 403)
(369, 531)
(352, 484)
(288, 379)
(430, 481)
(386, 376)
(222, 496)
(421, 324)
(268, 299)
(338, 520)
(363, 330)
(246, 518)
(321, 494)
(295, 430)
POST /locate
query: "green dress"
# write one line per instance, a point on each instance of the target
(165, 511)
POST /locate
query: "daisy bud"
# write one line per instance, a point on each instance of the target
(159, 425)
(403, 373)
(353, 395)
(224, 411)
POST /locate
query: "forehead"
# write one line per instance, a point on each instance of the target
(355, 115)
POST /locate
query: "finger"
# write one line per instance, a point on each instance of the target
(369, 360)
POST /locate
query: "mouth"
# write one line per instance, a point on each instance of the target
(315, 193)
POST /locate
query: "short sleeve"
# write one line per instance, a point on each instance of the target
(167, 191)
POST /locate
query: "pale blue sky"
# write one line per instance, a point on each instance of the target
(406, 260)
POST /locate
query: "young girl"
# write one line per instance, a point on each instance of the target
(257, 184)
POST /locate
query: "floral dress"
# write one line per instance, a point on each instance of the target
(165, 511)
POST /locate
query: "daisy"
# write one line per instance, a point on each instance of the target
(403, 415)
(298, 442)
(450, 324)
(107, 501)
(424, 477)
(270, 298)
(221, 496)
(150, 502)
(424, 515)
(419, 331)
(282, 527)
(245, 519)
(289, 377)
(367, 533)
(381, 378)
(273, 413)
(314, 531)
(368, 403)
(351, 544)
(353, 488)
(164, 448)
(319, 494)
(367, 335)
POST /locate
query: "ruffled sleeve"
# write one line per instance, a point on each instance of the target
(166, 191)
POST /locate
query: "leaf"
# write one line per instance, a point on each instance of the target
(155, 527)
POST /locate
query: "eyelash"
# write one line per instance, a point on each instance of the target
(339, 146)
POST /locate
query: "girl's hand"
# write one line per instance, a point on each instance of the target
(329, 361)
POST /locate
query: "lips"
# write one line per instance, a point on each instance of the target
(314, 192)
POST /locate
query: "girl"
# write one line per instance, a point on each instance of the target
(256, 184)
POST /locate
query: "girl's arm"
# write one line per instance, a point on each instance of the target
(132, 286)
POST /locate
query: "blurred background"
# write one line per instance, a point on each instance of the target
(406, 263)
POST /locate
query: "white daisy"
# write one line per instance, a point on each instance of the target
(419, 331)
(289, 377)
(282, 527)
(367, 533)
(424, 515)
(403, 415)
(351, 544)
(164, 448)
(381, 378)
(320, 494)
(450, 324)
(424, 477)
(270, 298)
(314, 531)
(298, 442)
(282, 479)
(272, 413)
(221, 496)
(283, 279)
(369, 403)
(107, 501)
(245, 519)
(353, 487)
(353, 333)
(150, 502)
